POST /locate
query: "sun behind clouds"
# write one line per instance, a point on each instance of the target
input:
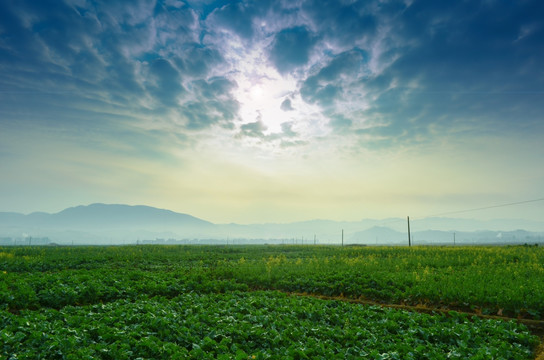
(271, 110)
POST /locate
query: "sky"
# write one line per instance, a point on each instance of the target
(273, 111)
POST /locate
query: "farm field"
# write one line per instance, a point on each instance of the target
(262, 302)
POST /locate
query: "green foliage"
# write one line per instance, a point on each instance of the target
(507, 280)
(168, 302)
(257, 325)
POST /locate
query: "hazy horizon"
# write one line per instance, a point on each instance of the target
(459, 218)
(274, 111)
(109, 224)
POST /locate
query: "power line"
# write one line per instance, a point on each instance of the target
(464, 211)
(485, 207)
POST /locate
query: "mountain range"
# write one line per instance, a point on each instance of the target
(124, 224)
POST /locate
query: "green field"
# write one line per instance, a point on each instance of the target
(255, 302)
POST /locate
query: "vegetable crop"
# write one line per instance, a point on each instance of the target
(212, 302)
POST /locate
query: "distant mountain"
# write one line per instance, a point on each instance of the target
(377, 235)
(103, 223)
(382, 235)
(461, 224)
(105, 216)
(115, 224)
(122, 215)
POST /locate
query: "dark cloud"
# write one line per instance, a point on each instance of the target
(458, 64)
(203, 114)
(99, 51)
(254, 129)
(291, 48)
(198, 60)
(47, 36)
(346, 63)
(196, 114)
(345, 22)
(286, 105)
(405, 68)
(476, 49)
(173, 22)
(214, 88)
(324, 87)
(214, 105)
(74, 46)
(167, 87)
(257, 130)
(324, 95)
(239, 16)
(287, 129)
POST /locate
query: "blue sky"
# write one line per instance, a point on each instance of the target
(273, 110)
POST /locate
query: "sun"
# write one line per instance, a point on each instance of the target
(260, 92)
(256, 92)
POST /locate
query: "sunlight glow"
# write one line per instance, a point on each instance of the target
(260, 95)
(256, 92)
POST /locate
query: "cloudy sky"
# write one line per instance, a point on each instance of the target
(273, 111)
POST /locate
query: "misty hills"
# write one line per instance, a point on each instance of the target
(379, 235)
(99, 223)
(116, 224)
(105, 216)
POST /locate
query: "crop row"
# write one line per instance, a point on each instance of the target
(29, 259)
(515, 288)
(256, 325)
(501, 280)
(85, 287)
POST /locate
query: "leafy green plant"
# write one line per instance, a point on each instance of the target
(256, 325)
(195, 302)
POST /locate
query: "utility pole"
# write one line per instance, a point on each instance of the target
(453, 239)
(342, 237)
(409, 239)
(314, 239)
